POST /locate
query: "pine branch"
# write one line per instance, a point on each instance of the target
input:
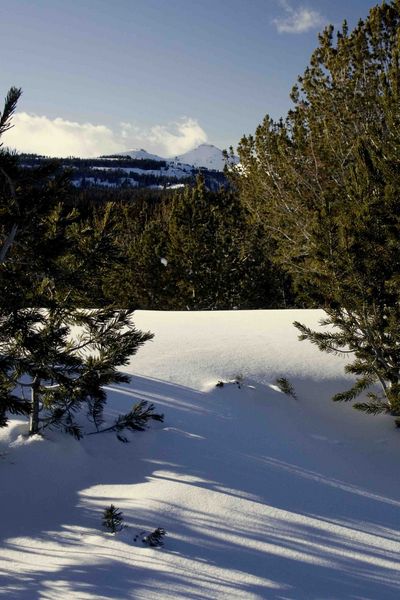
(136, 420)
(373, 408)
(286, 387)
(327, 342)
(362, 384)
(10, 104)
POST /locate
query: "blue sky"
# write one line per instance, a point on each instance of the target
(101, 76)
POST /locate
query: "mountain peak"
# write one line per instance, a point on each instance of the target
(205, 155)
(140, 154)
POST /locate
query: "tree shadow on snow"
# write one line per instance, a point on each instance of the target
(267, 503)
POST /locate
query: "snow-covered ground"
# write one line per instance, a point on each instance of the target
(262, 495)
(179, 172)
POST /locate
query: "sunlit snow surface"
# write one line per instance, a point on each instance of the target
(262, 496)
(205, 155)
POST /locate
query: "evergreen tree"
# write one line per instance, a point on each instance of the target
(197, 249)
(141, 280)
(216, 260)
(156, 538)
(55, 357)
(113, 519)
(326, 181)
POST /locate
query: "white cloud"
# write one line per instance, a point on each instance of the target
(59, 137)
(298, 20)
(177, 138)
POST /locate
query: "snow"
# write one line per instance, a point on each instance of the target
(205, 155)
(262, 495)
(104, 183)
(172, 170)
(141, 154)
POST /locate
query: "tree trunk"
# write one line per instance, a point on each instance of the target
(34, 416)
(393, 396)
(8, 242)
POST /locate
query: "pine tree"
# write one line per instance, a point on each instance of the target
(113, 519)
(142, 280)
(55, 356)
(215, 258)
(325, 181)
(156, 538)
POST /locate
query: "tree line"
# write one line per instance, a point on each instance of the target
(324, 184)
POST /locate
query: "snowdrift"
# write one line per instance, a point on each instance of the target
(262, 495)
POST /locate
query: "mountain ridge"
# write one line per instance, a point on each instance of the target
(205, 156)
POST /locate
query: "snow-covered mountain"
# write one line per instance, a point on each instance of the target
(140, 154)
(205, 155)
(137, 168)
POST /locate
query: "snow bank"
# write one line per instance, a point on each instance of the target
(262, 495)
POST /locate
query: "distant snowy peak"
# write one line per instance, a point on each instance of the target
(205, 155)
(140, 154)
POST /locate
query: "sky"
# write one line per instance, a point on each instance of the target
(166, 75)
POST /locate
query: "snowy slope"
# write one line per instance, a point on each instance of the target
(140, 154)
(205, 155)
(262, 495)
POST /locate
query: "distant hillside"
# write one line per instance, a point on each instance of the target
(140, 154)
(131, 169)
(205, 156)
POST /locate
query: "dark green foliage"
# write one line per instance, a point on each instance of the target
(325, 183)
(286, 387)
(374, 407)
(61, 370)
(113, 519)
(11, 404)
(156, 538)
(10, 104)
(198, 249)
(194, 248)
(215, 259)
(55, 357)
(137, 419)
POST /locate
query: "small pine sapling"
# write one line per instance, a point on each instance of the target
(155, 539)
(113, 519)
(286, 387)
